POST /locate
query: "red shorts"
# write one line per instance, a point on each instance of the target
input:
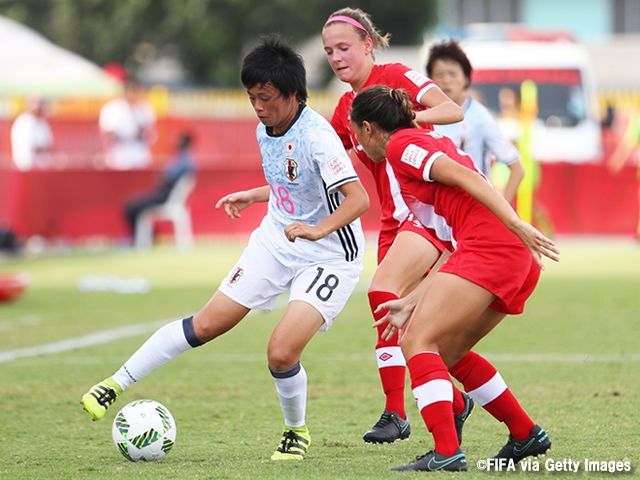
(409, 224)
(506, 269)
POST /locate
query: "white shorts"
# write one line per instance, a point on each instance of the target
(260, 276)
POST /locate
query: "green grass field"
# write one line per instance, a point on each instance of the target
(572, 360)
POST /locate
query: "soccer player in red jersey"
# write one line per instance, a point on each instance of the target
(349, 39)
(493, 268)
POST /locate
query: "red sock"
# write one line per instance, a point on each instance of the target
(391, 363)
(432, 389)
(483, 382)
(458, 401)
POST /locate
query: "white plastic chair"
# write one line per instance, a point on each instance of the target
(175, 210)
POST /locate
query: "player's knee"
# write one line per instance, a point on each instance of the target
(205, 330)
(383, 280)
(451, 357)
(281, 358)
(409, 346)
(413, 344)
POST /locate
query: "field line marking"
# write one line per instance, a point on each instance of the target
(107, 336)
(112, 335)
(97, 338)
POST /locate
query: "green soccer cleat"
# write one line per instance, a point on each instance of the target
(294, 444)
(100, 397)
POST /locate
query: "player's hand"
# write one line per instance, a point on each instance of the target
(234, 203)
(300, 230)
(400, 312)
(537, 243)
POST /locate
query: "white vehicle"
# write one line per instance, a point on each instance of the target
(568, 125)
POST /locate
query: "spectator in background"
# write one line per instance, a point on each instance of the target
(31, 137)
(478, 135)
(127, 127)
(509, 115)
(623, 153)
(182, 165)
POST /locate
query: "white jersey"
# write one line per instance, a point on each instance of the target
(30, 134)
(127, 122)
(304, 168)
(480, 137)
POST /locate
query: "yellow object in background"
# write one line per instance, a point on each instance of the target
(528, 114)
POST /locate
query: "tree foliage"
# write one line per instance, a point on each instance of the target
(208, 36)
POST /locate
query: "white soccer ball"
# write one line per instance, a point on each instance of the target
(144, 430)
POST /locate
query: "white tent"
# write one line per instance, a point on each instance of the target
(32, 65)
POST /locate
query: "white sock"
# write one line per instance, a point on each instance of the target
(292, 392)
(165, 344)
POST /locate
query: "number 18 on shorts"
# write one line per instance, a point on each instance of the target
(260, 277)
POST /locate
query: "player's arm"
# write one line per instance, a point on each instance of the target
(624, 149)
(504, 150)
(515, 177)
(441, 110)
(234, 203)
(447, 171)
(355, 203)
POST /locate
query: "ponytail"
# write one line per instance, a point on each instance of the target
(388, 109)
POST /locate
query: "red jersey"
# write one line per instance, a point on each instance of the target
(393, 75)
(485, 251)
(449, 210)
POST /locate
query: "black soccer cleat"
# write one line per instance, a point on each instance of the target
(536, 444)
(466, 412)
(388, 429)
(433, 461)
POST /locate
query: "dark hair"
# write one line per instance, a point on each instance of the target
(185, 141)
(274, 62)
(450, 51)
(384, 107)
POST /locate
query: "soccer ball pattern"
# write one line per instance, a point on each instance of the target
(144, 430)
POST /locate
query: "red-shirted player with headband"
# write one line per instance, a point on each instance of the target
(493, 269)
(349, 39)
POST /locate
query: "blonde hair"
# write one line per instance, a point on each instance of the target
(380, 41)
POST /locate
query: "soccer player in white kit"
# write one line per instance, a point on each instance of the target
(310, 242)
(479, 134)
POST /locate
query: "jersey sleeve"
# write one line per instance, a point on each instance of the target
(340, 115)
(335, 165)
(495, 140)
(414, 160)
(413, 82)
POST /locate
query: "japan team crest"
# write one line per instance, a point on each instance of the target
(236, 276)
(290, 169)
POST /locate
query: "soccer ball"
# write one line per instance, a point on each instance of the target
(144, 430)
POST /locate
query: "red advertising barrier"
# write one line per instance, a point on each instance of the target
(75, 204)
(587, 199)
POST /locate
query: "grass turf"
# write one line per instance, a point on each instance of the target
(571, 359)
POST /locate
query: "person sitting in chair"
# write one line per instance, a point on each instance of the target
(171, 174)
